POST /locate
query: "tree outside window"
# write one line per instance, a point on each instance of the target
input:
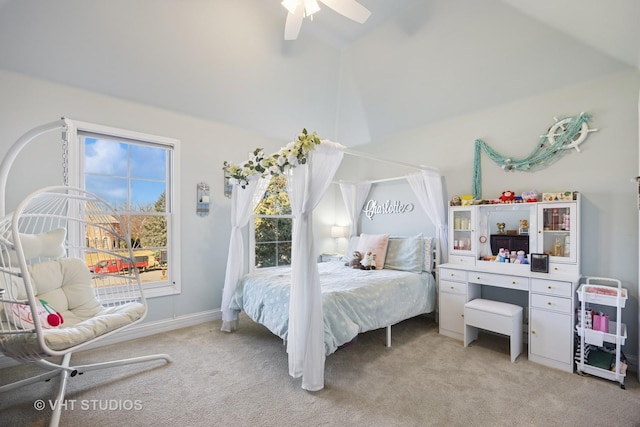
(273, 226)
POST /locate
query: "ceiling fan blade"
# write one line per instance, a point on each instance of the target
(349, 8)
(293, 24)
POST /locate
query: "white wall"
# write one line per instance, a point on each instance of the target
(601, 172)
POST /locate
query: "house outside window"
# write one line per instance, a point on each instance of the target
(137, 174)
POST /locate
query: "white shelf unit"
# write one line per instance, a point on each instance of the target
(605, 292)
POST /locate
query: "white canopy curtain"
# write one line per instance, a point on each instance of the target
(354, 196)
(243, 203)
(305, 343)
(427, 185)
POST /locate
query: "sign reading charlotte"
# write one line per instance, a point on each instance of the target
(373, 208)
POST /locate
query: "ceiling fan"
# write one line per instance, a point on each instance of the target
(299, 9)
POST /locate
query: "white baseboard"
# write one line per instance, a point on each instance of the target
(144, 329)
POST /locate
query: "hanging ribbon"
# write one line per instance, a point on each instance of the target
(563, 135)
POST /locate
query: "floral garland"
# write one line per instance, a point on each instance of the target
(258, 165)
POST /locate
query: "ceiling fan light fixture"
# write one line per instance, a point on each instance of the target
(310, 7)
(290, 5)
(300, 9)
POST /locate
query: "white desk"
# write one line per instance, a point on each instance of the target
(551, 297)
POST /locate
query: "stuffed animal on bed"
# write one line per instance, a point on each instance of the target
(368, 261)
(356, 257)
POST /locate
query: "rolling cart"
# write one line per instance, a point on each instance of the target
(596, 337)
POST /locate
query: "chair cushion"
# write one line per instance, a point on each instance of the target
(25, 346)
(66, 286)
(491, 306)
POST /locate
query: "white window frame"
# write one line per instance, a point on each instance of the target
(75, 156)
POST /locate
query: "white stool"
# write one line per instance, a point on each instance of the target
(494, 316)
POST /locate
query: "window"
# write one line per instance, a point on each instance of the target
(137, 174)
(271, 228)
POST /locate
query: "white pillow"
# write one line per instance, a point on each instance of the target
(49, 245)
(405, 253)
(351, 247)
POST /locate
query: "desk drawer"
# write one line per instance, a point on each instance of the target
(451, 274)
(552, 287)
(453, 287)
(499, 280)
(461, 259)
(559, 268)
(548, 302)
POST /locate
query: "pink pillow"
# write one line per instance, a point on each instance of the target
(375, 243)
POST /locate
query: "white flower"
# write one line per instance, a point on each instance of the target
(292, 159)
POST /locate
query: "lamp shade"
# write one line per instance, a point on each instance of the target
(337, 231)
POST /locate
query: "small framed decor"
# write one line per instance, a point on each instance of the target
(228, 188)
(540, 263)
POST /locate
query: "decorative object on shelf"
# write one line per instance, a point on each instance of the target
(554, 197)
(531, 196)
(455, 201)
(507, 196)
(258, 165)
(501, 226)
(540, 263)
(564, 134)
(524, 226)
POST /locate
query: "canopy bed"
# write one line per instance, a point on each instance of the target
(310, 165)
(354, 300)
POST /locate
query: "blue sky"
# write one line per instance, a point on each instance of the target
(121, 171)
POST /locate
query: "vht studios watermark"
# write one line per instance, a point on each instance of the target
(89, 405)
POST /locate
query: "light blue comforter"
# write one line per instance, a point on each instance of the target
(354, 301)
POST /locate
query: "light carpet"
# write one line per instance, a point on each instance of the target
(241, 379)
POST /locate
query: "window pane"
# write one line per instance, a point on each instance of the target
(284, 253)
(266, 229)
(272, 238)
(147, 231)
(112, 189)
(284, 229)
(265, 255)
(148, 162)
(147, 196)
(105, 157)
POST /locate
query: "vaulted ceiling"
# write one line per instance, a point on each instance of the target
(413, 62)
